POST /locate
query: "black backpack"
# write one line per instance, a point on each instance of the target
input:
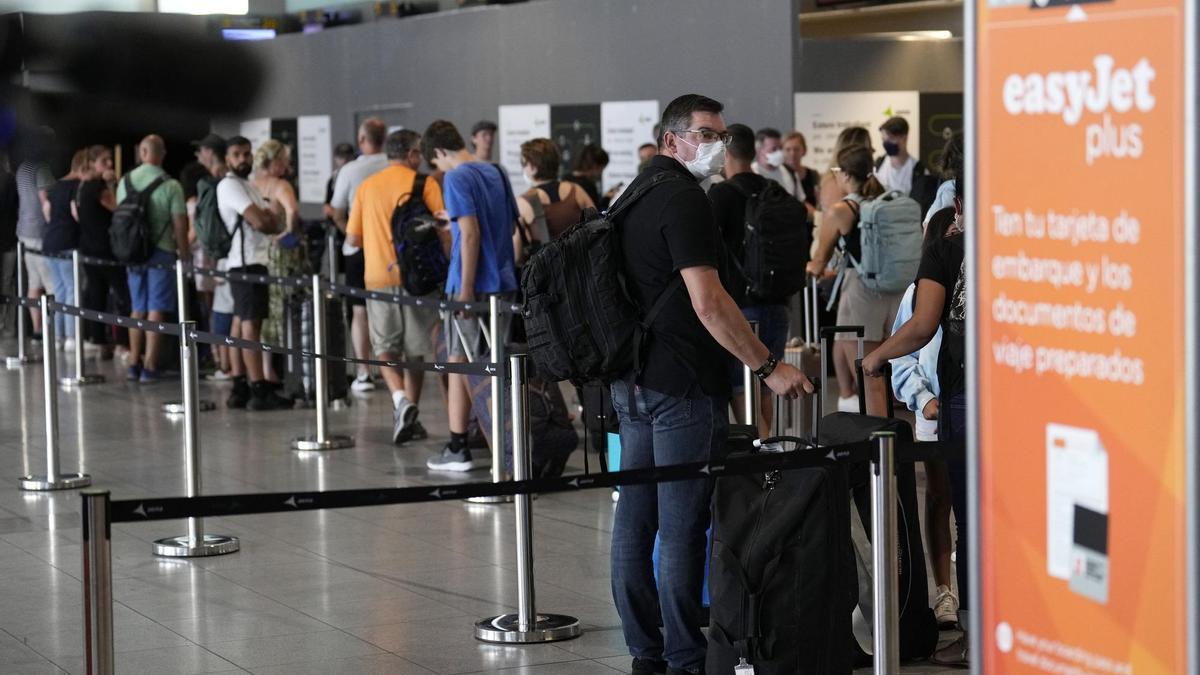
(580, 322)
(423, 263)
(130, 235)
(776, 243)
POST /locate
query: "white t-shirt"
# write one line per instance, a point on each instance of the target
(351, 175)
(222, 295)
(897, 178)
(781, 175)
(234, 195)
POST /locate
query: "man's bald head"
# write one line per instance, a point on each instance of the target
(371, 135)
(152, 150)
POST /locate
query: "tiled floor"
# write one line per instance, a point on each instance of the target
(392, 589)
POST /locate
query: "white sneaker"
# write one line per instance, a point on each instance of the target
(848, 404)
(219, 376)
(363, 383)
(946, 607)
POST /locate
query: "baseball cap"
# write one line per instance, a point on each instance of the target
(483, 125)
(211, 141)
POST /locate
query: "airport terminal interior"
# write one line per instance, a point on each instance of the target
(292, 292)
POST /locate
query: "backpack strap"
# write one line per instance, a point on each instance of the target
(551, 189)
(633, 194)
(148, 191)
(541, 230)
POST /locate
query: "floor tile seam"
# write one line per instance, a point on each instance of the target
(33, 649)
(382, 651)
(513, 669)
(278, 602)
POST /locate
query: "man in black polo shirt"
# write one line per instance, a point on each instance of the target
(681, 394)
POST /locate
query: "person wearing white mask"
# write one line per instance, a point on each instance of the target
(769, 161)
(673, 406)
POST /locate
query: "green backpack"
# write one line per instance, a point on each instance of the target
(210, 228)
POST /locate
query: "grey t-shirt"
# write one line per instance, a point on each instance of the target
(31, 178)
(351, 175)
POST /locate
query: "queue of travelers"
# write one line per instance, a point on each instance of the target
(684, 248)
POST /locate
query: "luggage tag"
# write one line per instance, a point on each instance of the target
(743, 668)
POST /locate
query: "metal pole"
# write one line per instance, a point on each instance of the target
(883, 537)
(750, 387)
(19, 312)
(97, 583)
(331, 253)
(498, 407)
(80, 378)
(53, 480)
(195, 543)
(323, 440)
(526, 626)
(181, 407)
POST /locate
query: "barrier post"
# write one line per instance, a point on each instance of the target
(526, 626)
(53, 480)
(195, 543)
(97, 583)
(322, 440)
(751, 389)
(331, 253)
(21, 358)
(81, 378)
(179, 407)
(497, 405)
(886, 617)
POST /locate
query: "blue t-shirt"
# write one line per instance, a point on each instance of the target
(480, 190)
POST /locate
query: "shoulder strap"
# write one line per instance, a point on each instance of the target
(129, 191)
(144, 195)
(551, 189)
(541, 230)
(736, 186)
(418, 188)
(632, 195)
(508, 191)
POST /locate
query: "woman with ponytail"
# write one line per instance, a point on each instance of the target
(857, 305)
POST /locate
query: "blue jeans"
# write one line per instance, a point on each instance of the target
(952, 427)
(772, 331)
(669, 430)
(62, 274)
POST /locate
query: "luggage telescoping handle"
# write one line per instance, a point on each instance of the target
(886, 374)
(827, 334)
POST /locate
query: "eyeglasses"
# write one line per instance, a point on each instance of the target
(707, 135)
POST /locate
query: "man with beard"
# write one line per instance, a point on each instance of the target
(251, 222)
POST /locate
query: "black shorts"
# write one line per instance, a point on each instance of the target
(251, 302)
(356, 271)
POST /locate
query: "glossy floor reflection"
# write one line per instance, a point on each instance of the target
(372, 590)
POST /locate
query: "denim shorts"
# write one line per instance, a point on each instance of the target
(222, 323)
(152, 289)
(772, 331)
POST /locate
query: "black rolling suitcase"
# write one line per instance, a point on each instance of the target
(918, 625)
(782, 581)
(299, 380)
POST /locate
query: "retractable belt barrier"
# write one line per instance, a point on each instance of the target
(168, 328)
(138, 510)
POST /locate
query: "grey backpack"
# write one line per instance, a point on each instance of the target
(890, 235)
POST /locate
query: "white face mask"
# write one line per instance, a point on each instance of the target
(775, 158)
(529, 181)
(709, 160)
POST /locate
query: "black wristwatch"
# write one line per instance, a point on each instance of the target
(764, 371)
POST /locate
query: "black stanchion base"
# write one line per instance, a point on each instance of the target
(547, 628)
(66, 481)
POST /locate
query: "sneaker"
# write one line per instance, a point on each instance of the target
(264, 397)
(240, 395)
(458, 462)
(848, 404)
(957, 654)
(946, 608)
(363, 383)
(219, 376)
(412, 432)
(403, 416)
(35, 338)
(68, 345)
(647, 666)
(133, 373)
(148, 376)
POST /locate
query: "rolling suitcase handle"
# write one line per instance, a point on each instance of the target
(886, 374)
(826, 335)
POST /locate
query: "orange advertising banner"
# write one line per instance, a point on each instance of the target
(1079, 230)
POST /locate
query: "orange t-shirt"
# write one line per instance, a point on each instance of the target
(371, 219)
